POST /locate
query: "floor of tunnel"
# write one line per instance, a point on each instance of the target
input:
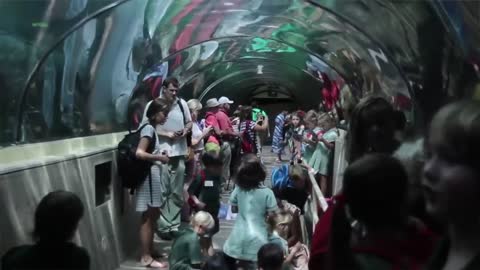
(226, 226)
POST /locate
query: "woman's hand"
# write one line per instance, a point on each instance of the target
(207, 130)
(163, 158)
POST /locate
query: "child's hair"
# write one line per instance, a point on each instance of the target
(250, 173)
(270, 257)
(246, 113)
(311, 117)
(375, 188)
(296, 172)
(212, 158)
(456, 128)
(280, 222)
(299, 115)
(204, 219)
(57, 216)
(371, 128)
(216, 262)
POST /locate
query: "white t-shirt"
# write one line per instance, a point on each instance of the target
(175, 122)
(197, 134)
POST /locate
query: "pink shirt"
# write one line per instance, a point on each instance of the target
(224, 122)
(211, 121)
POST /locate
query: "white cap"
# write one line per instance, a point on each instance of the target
(224, 100)
(212, 103)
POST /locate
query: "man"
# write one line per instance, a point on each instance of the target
(228, 135)
(172, 139)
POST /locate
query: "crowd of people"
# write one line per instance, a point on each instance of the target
(389, 214)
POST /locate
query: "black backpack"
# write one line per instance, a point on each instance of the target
(133, 171)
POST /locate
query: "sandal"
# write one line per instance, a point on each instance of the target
(153, 264)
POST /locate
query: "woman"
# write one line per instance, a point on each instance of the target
(149, 195)
(198, 136)
(452, 184)
(196, 149)
(249, 129)
(56, 220)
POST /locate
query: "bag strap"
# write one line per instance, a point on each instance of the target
(183, 111)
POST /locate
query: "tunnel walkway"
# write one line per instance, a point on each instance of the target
(226, 226)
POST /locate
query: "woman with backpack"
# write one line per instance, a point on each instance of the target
(149, 193)
(248, 131)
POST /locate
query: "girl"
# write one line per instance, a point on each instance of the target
(253, 202)
(281, 227)
(297, 135)
(278, 135)
(452, 183)
(322, 158)
(149, 194)
(310, 136)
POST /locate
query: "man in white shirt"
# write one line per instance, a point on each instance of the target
(172, 137)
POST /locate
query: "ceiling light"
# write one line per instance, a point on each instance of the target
(260, 69)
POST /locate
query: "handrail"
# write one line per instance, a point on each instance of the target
(41, 61)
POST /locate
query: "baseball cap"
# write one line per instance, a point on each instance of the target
(224, 100)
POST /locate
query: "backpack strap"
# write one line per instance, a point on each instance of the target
(183, 111)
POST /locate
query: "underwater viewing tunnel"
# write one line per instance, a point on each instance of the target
(75, 75)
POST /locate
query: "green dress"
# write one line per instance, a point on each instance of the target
(186, 251)
(250, 231)
(321, 158)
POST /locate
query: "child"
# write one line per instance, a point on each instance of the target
(290, 182)
(205, 189)
(451, 184)
(270, 257)
(253, 202)
(188, 250)
(375, 189)
(281, 227)
(56, 221)
(297, 135)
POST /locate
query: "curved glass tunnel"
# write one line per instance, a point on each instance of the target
(75, 74)
(71, 68)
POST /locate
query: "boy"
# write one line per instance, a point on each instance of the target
(206, 187)
(189, 249)
(270, 257)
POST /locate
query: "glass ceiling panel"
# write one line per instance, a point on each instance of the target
(375, 46)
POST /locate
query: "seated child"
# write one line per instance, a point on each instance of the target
(270, 257)
(188, 250)
(206, 187)
(280, 228)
